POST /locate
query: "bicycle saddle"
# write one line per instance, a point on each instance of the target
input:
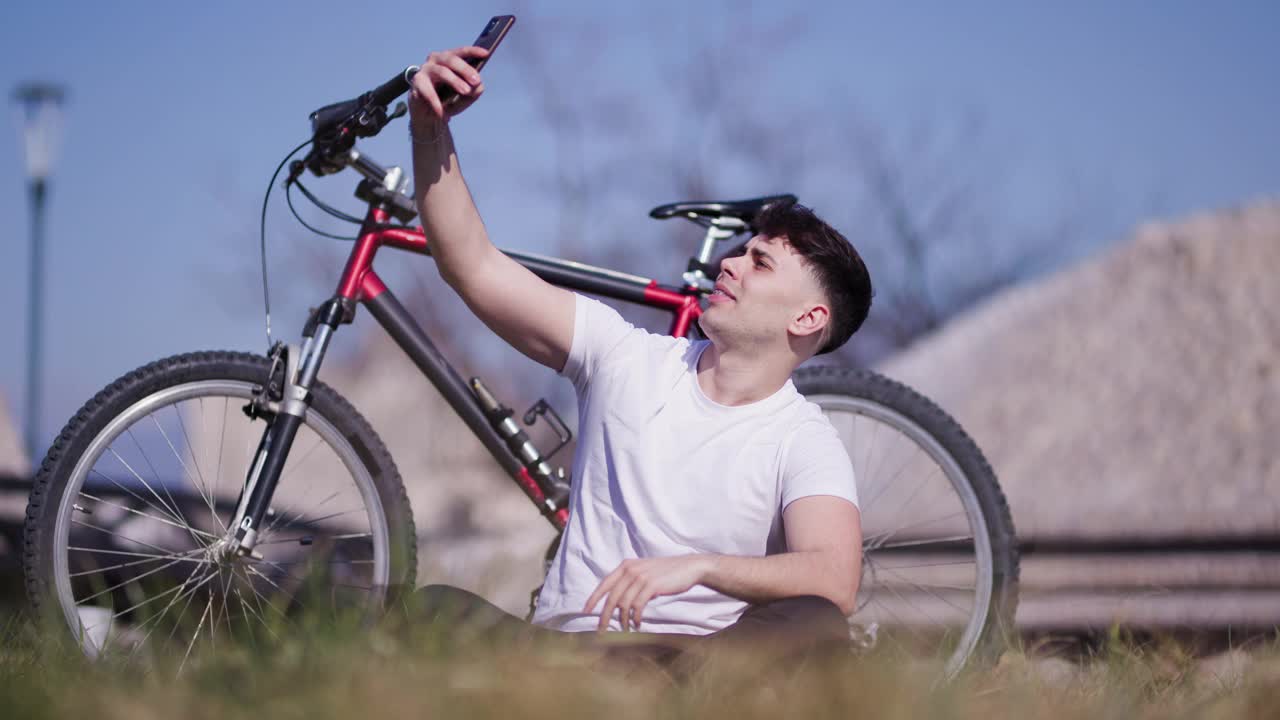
(744, 210)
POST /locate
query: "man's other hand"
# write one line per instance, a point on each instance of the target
(448, 68)
(630, 587)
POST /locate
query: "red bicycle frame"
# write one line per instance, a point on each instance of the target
(360, 284)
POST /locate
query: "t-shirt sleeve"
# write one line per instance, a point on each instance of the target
(816, 463)
(598, 330)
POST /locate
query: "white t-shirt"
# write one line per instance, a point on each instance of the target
(663, 470)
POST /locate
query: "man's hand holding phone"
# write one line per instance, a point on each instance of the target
(449, 74)
(448, 82)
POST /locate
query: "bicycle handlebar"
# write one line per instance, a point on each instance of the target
(335, 127)
(393, 88)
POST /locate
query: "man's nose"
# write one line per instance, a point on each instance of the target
(727, 266)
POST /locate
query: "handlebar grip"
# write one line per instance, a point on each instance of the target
(388, 91)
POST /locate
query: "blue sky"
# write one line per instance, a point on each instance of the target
(178, 113)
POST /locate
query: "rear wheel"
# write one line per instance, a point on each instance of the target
(125, 534)
(940, 558)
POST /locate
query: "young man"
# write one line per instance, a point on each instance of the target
(709, 498)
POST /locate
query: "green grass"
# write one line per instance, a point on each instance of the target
(397, 670)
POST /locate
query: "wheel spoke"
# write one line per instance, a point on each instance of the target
(160, 616)
(222, 434)
(901, 623)
(213, 493)
(331, 562)
(136, 578)
(160, 481)
(167, 556)
(259, 598)
(345, 536)
(188, 528)
(174, 589)
(130, 563)
(893, 479)
(872, 543)
(905, 601)
(921, 588)
(297, 463)
(208, 604)
(288, 595)
(204, 492)
(256, 613)
(125, 537)
(173, 512)
(132, 494)
(920, 565)
(284, 513)
(278, 567)
(924, 544)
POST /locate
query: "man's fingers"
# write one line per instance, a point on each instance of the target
(610, 580)
(605, 614)
(473, 51)
(425, 89)
(626, 602)
(443, 75)
(464, 101)
(449, 68)
(640, 603)
(463, 69)
(611, 604)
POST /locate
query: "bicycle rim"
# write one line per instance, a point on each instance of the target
(928, 571)
(135, 550)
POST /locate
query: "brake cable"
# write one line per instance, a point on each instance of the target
(288, 196)
(335, 212)
(262, 237)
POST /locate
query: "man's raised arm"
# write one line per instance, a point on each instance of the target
(532, 315)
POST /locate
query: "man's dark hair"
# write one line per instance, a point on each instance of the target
(839, 269)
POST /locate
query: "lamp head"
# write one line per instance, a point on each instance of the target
(40, 108)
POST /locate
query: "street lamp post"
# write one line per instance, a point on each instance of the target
(41, 111)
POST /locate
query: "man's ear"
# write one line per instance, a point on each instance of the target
(812, 319)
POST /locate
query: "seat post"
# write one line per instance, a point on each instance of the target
(721, 228)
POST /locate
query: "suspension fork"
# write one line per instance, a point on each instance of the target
(285, 416)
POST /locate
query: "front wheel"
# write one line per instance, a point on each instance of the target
(124, 543)
(940, 558)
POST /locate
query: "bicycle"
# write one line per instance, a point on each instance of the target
(135, 537)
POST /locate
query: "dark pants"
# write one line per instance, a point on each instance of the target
(787, 629)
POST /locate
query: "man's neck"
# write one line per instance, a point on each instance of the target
(735, 377)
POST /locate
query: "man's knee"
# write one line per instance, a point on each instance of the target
(805, 607)
(817, 616)
(444, 603)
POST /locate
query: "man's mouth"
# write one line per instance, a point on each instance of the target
(721, 291)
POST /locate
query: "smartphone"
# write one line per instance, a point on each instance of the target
(493, 32)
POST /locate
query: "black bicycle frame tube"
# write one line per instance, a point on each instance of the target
(411, 338)
(586, 278)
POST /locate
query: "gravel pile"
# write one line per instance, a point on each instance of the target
(1134, 396)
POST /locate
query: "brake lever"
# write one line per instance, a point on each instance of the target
(366, 122)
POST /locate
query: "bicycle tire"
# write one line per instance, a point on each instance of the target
(308, 571)
(881, 401)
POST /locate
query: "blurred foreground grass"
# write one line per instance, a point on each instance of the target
(398, 670)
